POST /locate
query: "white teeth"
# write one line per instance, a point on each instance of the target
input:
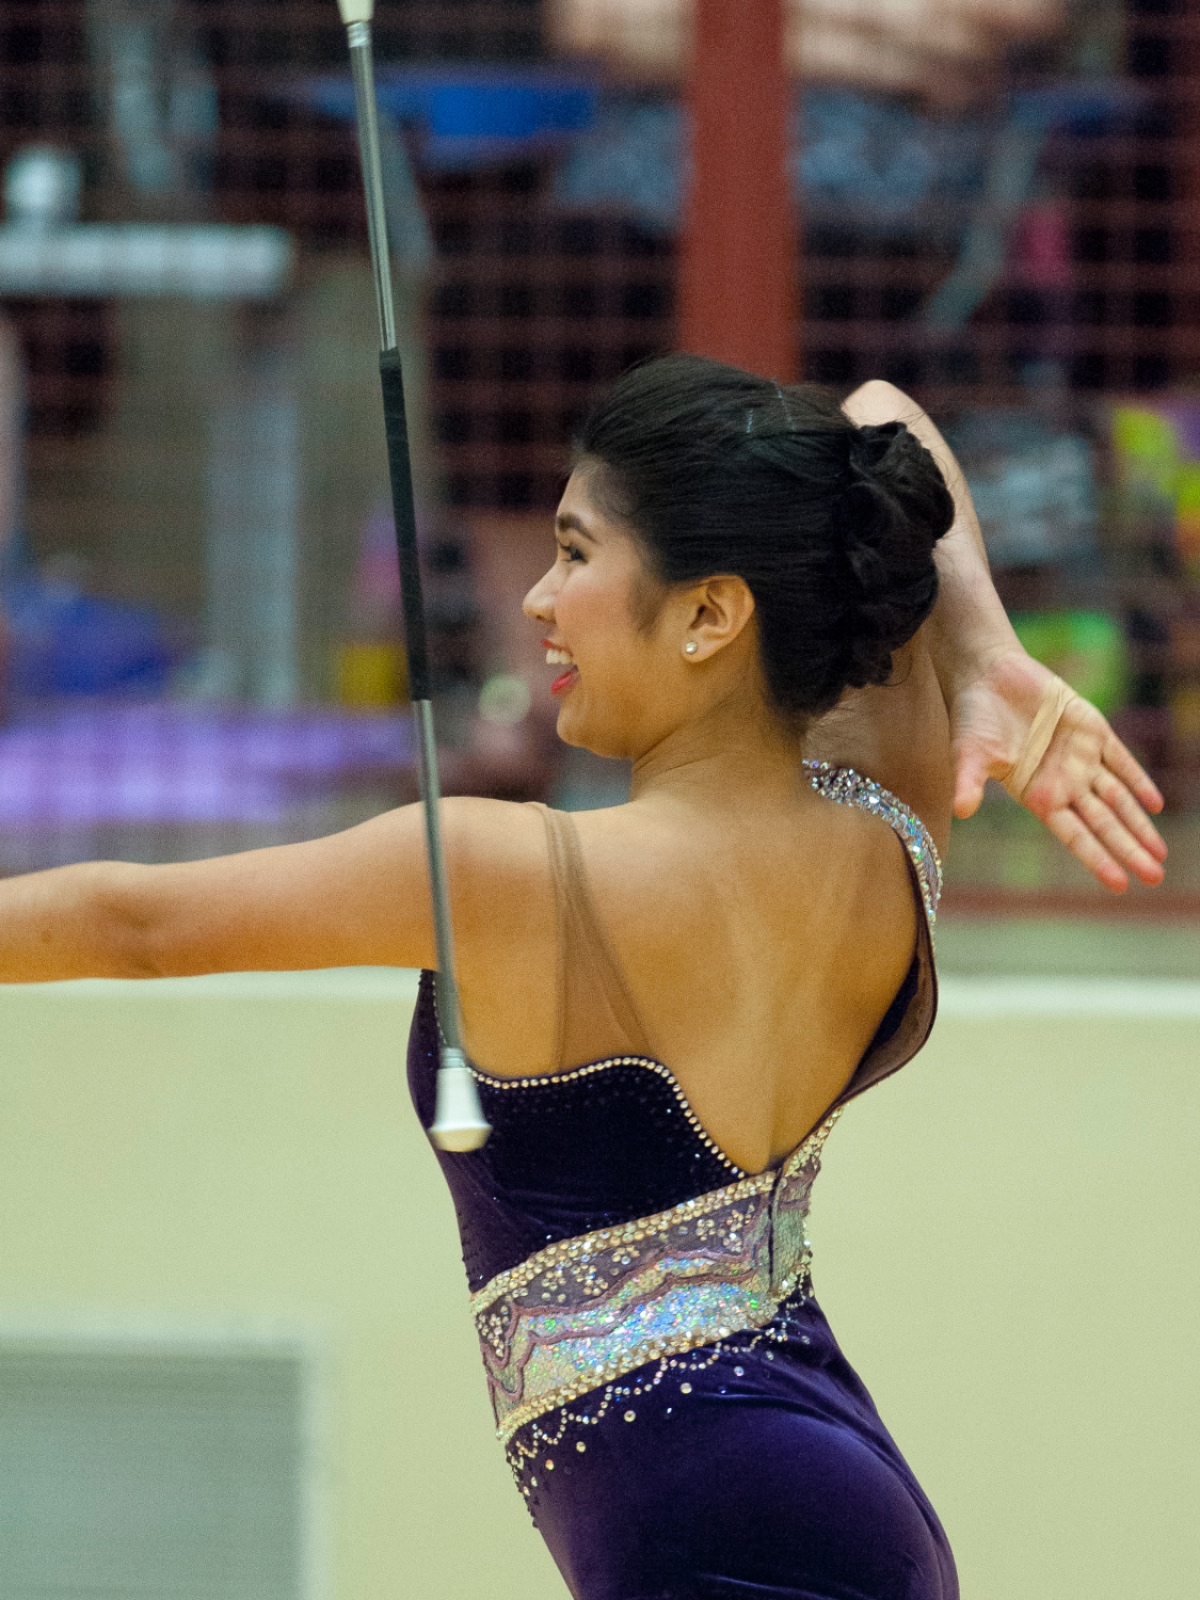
(558, 658)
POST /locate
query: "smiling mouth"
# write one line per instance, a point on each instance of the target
(556, 657)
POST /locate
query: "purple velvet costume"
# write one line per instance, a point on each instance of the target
(674, 1406)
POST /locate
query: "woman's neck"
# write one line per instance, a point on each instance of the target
(735, 750)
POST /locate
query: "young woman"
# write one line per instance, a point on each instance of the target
(776, 610)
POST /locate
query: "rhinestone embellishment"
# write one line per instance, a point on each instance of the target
(846, 787)
(584, 1311)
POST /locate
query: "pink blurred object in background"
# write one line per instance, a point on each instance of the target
(941, 49)
(376, 592)
(1041, 249)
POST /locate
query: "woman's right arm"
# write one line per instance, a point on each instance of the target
(356, 898)
(1087, 789)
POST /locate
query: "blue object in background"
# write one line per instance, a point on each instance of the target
(471, 116)
(1082, 107)
(64, 642)
(870, 160)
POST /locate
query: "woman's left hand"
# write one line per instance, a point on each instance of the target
(1087, 789)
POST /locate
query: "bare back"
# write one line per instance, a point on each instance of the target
(753, 952)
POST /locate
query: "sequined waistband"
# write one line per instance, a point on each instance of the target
(586, 1310)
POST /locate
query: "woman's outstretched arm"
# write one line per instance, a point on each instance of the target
(357, 898)
(286, 907)
(1087, 789)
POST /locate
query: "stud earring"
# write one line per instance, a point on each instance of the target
(690, 648)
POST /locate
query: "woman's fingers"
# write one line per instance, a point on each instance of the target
(1117, 797)
(1086, 727)
(1120, 842)
(1068, 827)
(1119, 760)
(1088, 769)
(1092, 811)
(1103, 825)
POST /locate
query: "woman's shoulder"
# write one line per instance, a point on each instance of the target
(653, 866)
(492, 845)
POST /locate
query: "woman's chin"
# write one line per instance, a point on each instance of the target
(574, 733)
(569, 726)
(573, 729)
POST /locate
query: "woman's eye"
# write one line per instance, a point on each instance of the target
(571, 552)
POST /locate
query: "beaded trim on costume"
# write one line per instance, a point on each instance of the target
(583, 1312)
(528, 1450)
(651, 1065)
(849, 788)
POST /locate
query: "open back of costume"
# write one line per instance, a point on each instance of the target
(675, 1409)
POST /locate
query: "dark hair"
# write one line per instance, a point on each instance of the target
(832, 526)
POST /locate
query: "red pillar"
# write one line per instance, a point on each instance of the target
(737, 280)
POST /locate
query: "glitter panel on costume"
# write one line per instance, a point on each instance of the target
(850, 788)
(586, 1310)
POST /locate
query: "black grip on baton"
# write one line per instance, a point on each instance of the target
(395, 424)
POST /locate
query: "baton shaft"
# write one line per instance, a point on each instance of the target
(395, 424)
(362, 67)
(460, 1124)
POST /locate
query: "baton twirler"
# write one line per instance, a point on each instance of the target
(459, 1123)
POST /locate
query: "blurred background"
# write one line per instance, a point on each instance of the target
(227, 1369)
(996, 206)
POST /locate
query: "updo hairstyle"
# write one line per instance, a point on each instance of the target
(831, 526)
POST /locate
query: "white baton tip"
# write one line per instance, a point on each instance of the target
(459, 1124)
(356, 10)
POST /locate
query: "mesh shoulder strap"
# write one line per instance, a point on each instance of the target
(597, 1016)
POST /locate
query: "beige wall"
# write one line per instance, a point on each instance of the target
(1005, 1238)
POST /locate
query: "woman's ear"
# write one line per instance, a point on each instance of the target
(717, 613)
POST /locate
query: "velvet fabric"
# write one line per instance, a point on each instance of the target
(757, 1467)
(773, 1477)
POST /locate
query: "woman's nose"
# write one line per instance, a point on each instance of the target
(538, 604)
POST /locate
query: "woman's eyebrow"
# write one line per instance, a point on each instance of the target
(567, 522)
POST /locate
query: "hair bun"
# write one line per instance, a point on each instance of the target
(830, 525)
(893, 510)
(869, 444)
